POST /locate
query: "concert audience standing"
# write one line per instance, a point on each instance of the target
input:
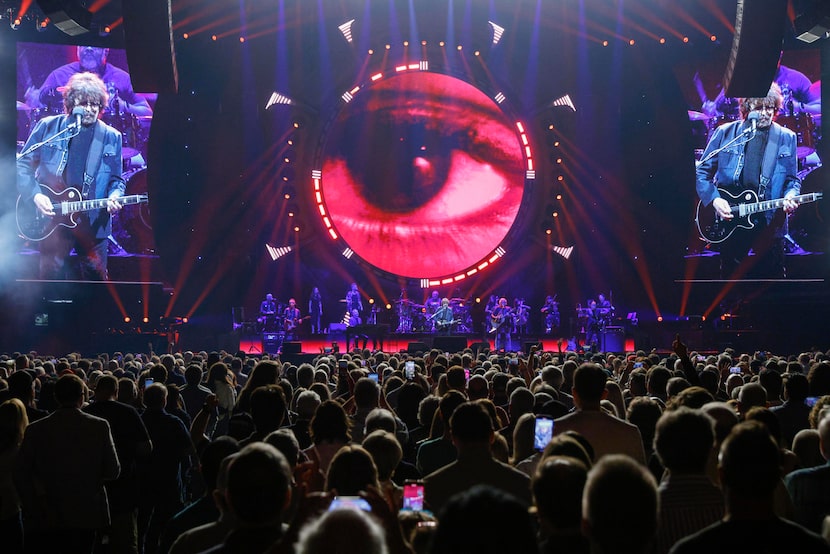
(64, 460)
(13, 422)
(809, 488)
(557, 491)
(133, 445)
(193, 393)
(606, 433)
(688, 500)
(258, 491)
(435, 453)
(472, 433)
(749, 468)
(617, 480)
(793, 414)
(162, 490)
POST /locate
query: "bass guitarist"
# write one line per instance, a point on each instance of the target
(82, 152)
(752, 154)
(291, 319)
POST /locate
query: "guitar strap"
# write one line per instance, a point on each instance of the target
(93, 159)
(769, 161)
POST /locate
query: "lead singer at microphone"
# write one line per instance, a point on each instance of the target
(86, 155)
(762, 159)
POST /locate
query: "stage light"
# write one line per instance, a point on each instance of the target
(478, 300)
(278, 98)
(388, 306)
(346, 30)
(126, 319)
(662, 40)
(14, 22)
(213, 38)
(388, 46)
(631, 42)
(564, 101)
(556, 144)
(68, 16)
(713, 38)
(605, 43)
(559, 197)
(548, 231)
(371, 301)
(146, 320)
(185, 36)
(441, 44)
(564, 251)
(406, 43)
(459, 47)
(297, 229)
(241, 39)
(42, 24)
(555, 214)
(685, 40)
(814, 24)
(477, 53)
(423, 43)
(184, 320)
(371, 51)
(498, 31)
(659, 318)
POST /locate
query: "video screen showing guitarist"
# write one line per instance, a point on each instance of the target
(80, 163)
(746, 181)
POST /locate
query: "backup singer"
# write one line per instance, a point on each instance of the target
(764, 162)
(315, 310)
(87, 158)
(353, 300)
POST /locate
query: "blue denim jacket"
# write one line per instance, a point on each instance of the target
(778, 167)
(47, 164)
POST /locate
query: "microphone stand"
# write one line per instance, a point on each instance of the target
(733, 142)
(32, 148)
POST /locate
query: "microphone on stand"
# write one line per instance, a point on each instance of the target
(77, 114)
(753, 123)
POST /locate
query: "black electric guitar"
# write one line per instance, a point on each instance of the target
(714, 229)
(439, 325)
(33, 225)
(291, 323)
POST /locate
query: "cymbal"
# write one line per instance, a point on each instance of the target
(21, 107)
(697, 116)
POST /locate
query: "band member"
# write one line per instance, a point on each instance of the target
(87, 158)
(593, 325)
(501, 323)
(756, 155)
(551, 311)
(355, 321)
(520, 313)
(605, 309)
(315, 310)
(267, 314)
(291, 319)
(443, 318)
(353, 300)
(433, 303)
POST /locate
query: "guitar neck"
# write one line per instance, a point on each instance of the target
(767, 205)
(98, 203)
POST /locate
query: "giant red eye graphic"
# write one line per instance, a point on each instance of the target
(423, 174)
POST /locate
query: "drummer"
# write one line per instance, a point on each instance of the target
(94, 60)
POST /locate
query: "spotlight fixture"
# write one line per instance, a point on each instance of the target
(814, 24)
(498, 31)
(564, 101)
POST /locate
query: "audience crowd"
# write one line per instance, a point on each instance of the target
(473, 452)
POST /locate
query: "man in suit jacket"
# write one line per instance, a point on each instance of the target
(472, 433)
(606, 433)
(63, 463)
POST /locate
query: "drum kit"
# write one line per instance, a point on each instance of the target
(132, 230)
(414, 317)
(801, 123)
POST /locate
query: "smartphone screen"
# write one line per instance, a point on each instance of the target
(148, 381)
(735, 369)
(373, 377)
(409, 370)
(542, 433)
(350, 502)
(413, 496)
(811, 401)
(467, 374)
